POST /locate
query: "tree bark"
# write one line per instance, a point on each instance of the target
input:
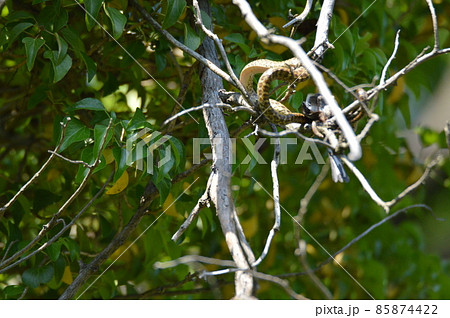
(221, 167)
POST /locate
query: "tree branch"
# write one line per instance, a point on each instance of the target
(266, 37)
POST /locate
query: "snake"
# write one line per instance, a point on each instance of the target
(288, 70)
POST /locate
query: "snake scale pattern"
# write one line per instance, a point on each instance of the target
(289, 70)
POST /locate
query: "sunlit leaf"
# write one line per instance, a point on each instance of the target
(75, 132)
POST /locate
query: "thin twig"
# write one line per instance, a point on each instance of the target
(9, 263)
(302, 16)
(304, 202)
(418, 183)
(38, 173)
(276, 200)
(372, 119)
(394, 52)
(180, 45)
(365, 184)
(192, 259)
(203, 201)
(316, 281)
(292, 132)
(342, 84)
(435, 25)
(266, 37)
(281, 282)
(422, 57)
(387, 205)
(196, 108)
(332, 258)
(78, 162)
(219, 44)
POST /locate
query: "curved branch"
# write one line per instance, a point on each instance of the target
(180, 45)
(266, 37)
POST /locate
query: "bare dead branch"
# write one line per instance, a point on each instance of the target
(9, 263)
(220, 105)
(304, 202)
(394, 52)
(77, 162)
(276, 200)
(321, 43)
(429, 167)
(203, 201)
(265, 36)
(219, 45)
(365, 184)
(392, 80)
(220, 192)
(193, 259)
(316, 281)
(180, 45)
(281, 282)
(283, 133)
(435, 24)
(302, 16)
(387, 205)
(372, 119)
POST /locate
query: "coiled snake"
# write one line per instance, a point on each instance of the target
(289, 70)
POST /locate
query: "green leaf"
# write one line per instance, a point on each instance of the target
(59, 266)
(161, 61)
(53, 18)
(62, 48)
(163, 186)
(90, 104)
(120, 156)
(53, 250)
(90, 65)
(296, 100)
(72, 247)
(16, 30)
(118, 21)
(32, 46)
(13, 291)
(99, 134)
(20, 15)
(75, 132)
(87, 157)
(191, 39)
(174, 9)
(38, 1)
(59, 69)
(93, 8)
(178, 150)
(44, 198)
(239, 40)
(138, 122)
(35, 276)
(73, 39)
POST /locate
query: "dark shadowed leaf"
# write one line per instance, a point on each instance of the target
(32, 46)
(174, 9)
(118, 21)
(35, 276)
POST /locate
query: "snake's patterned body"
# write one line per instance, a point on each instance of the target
(289, 70)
